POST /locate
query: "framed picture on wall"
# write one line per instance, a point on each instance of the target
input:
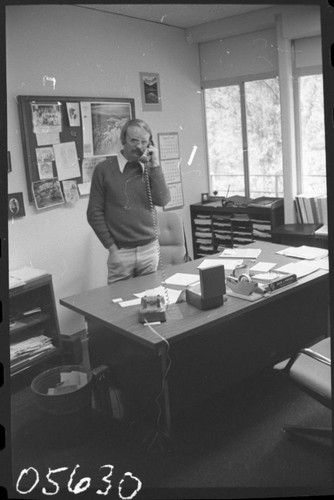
(15, 205)
(150, 91)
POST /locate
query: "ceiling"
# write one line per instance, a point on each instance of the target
(178, 15)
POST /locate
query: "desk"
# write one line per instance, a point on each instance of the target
(210, 350)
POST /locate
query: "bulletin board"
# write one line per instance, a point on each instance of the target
(63, 138)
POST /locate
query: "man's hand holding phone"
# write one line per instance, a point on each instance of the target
(151, 156)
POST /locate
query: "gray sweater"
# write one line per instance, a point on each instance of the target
(119, 208)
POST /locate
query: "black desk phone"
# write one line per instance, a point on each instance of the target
(152, 309)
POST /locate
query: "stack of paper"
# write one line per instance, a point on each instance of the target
(172, 295)
(304, 252)
(20, 276)
(30, 348)
(229, 264)
(241, 253)
(300, 269)
(183, 279)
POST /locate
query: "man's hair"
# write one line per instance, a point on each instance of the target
(135, 122)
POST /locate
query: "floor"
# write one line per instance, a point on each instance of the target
(232, 446)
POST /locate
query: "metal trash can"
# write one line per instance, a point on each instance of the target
(64, 396)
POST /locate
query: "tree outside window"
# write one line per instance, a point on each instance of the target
(244, 139)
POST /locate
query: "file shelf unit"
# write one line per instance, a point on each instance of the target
(215, 227)
(33, 322)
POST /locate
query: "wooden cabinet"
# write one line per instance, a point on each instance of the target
(215, 227)
(34, 328)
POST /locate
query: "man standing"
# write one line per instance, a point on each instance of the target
(121, 208)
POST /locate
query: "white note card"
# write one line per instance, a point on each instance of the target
(183, 279)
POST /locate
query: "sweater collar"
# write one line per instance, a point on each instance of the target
(122, 161)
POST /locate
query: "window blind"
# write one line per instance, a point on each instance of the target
(307, 54)
(251, 56)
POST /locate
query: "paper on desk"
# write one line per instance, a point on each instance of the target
(173, 295)
(183, 279)
(25, 274)
(262, 267)
(271, 276)
(324, 264)
(304, 252)
(132, 302)
(300, 269)
(227, 263)
(242, 253)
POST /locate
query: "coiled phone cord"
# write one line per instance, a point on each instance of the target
(156, 234)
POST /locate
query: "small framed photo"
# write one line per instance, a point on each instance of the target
(205, 197)
(9, 162)
(15, 205)
(150, 91)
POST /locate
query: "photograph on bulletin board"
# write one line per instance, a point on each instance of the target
(102, 124)
(47, 193)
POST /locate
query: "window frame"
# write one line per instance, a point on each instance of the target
(298, 73)
(237, 81)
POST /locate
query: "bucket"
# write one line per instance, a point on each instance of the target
(64, 396)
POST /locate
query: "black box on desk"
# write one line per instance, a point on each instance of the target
(209, 293)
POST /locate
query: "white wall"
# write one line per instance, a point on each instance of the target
(93, 54)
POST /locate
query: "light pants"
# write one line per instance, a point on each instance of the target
(130, 262)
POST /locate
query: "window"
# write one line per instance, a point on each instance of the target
(244, 139)
(312, 172)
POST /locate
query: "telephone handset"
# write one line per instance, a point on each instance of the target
(147, 156)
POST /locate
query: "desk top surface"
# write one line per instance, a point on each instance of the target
(182, 319)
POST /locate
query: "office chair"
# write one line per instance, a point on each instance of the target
(310, 369)
(172, 240)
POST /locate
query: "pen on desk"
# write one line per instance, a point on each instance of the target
(228, 189)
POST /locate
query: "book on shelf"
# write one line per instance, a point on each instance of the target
(311, 209)
(297, 212)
